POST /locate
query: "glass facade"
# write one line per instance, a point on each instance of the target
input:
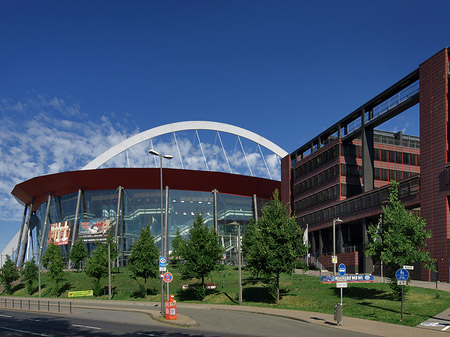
(122, 213)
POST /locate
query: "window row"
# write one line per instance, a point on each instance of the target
(351, 170)
(318, 180)
(397, 157)
(388, 175)
(373, 199)
(322, 159)
(317, 198)
(351, 150)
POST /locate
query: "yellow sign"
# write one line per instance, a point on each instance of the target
(81, 293)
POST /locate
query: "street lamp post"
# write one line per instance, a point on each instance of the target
(239, 259)
(334, 242)
(162, 252)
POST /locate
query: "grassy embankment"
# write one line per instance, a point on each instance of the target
(299, 292)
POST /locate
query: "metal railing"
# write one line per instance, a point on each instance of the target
(36, 305)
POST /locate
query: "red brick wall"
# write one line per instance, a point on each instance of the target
(349, 259)
(285, 193)
(433, 150)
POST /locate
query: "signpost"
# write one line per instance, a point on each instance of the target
(162, 263)
(402, 276)
(168, 277)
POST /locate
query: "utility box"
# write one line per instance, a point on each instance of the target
(171, 308)
(338, 313)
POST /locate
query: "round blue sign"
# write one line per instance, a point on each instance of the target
(342, 269)
(402, 274)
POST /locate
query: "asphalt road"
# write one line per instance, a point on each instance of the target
(96, 323)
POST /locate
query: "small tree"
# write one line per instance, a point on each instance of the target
(177, 246)
(54, 263)
(29, 275)
(78, 254)
(9, 274)
(201, 251)
(276, 244)
(399, 239)
(252, 249)
(97, 264)
(144, 256)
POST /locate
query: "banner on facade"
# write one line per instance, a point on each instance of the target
(59, 232)
(94, 230)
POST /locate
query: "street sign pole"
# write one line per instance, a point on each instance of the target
(402, 276)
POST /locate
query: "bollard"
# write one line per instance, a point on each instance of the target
(48, 306)
(338, 313)
(21, 304)
(13, 303)
(39, 305)
(70, 307)
(59, 307)
(29, 304)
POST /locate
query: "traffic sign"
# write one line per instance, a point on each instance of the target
(341, 284)
(402, 283)
(408, 267)
(334, 259)
(342, 269)
(402, 274)
(162, 263)
(168, 277)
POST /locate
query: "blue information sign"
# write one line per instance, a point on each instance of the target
(342, 269)
(162, 262)
(402, 274)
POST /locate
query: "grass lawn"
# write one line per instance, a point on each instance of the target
(299, 292)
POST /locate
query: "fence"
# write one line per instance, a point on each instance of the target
(36, 305)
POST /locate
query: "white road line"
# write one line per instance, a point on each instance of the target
(87, 326)
(23, 331)
(448, 326)
(5, 316)
(148, 334)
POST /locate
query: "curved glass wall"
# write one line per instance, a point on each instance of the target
(122, 213)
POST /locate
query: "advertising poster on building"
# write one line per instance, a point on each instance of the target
(94, 230)
(59, 232)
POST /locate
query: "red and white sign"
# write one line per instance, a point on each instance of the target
(168, 277)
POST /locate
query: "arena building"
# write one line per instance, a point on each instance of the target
(97, 201)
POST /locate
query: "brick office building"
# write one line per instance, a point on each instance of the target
(344, 172)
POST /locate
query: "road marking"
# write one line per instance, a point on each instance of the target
(23, 331)
(87, 326)
(448, 326)
(5, 316)
(148, 334)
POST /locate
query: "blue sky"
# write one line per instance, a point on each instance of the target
(77, 77)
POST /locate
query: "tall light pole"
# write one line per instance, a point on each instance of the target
(162, 252)
(334, 242)
(234, 223)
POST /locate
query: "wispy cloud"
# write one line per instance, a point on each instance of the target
(47, 135)
(43, 136)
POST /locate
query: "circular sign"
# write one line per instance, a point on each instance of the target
(402, 274)
(162, 260)
(168, 277)
(342, 269)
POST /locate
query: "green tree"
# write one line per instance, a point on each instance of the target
(275, 245)
(399, 238)
(97, 263)
(144, 256)
(9, 274)
(252, 249)
(177, 246)
(29, 275)
(201, 251)
(78, 254)
(54, 263)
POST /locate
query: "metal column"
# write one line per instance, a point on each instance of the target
(47, 215)
(25, 242)
(255, 208)
(19, 241)
(116, 231)
(215, 210)
(75, 224)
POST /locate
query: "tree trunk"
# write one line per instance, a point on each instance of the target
(278, 288)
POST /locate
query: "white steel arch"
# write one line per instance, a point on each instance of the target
(183, 126)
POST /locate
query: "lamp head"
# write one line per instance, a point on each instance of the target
(153, 152)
